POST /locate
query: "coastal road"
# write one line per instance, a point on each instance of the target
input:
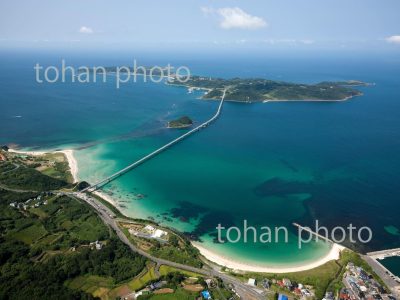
(108, 217)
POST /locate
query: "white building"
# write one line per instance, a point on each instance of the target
(158, 233)
(252, 282)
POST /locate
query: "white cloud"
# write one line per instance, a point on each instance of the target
(86, 30)
(394, 39)
(234, 17)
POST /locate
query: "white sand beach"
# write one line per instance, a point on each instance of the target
(73, 165)
(221, 260)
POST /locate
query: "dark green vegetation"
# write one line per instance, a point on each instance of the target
(180, 253)
(182, 122)
(258, 89)
(43, 247)
(54, 164)
(27, 178)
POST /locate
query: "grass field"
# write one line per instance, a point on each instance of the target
(58, 168)
(30, 234)
(137, 283)
(50, 239)
(96, 285)
(180, 294)
(141, 280)
(164, 270)
(39, 212)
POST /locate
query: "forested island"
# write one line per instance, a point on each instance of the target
(261, 90)
(182, 122)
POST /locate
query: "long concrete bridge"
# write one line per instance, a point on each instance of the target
(110, 178)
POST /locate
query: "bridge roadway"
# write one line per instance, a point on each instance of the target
(158, 151)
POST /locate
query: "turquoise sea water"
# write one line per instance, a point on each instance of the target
(271, 164)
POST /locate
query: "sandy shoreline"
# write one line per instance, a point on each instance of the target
(73, 164)
(221, 260)
(107, 198)
(69, 154)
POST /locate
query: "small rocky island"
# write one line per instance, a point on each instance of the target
(182, 122)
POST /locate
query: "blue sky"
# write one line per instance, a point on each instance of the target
(263, 24)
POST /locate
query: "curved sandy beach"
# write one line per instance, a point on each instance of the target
(333, 254)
